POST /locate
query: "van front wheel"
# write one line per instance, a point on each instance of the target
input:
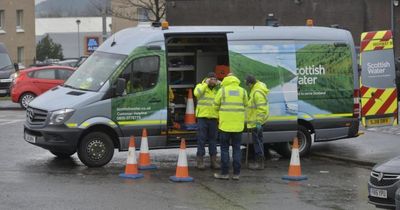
(96, 149)
(304, 137)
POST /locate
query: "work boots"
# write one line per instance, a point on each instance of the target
(258, 164)
(214, 163)
(200, 163)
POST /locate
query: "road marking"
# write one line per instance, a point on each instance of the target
(10, 122)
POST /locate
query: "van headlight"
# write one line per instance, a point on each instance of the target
(60, 116)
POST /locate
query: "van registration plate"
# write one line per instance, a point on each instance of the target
(379, 121)
(30, 138)
(377, 193)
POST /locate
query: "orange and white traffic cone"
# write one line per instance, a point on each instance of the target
(190, 118)
(294, 173)
(182, 170)
(131, 169)
(144, 155)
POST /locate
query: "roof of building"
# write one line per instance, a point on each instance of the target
(128, 39)
(69, 25)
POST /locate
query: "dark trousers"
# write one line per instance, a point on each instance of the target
(258, 142)
(207, 131)
(236, 138)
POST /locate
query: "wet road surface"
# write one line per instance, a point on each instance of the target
(31, 178)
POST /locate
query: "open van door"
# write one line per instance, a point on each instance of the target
(378, 80)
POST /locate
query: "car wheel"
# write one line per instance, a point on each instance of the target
(25, 99)
(96, 149)
(62, 155)
(304, 137)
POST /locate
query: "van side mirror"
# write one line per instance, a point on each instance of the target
(16, 66)
(120, 87)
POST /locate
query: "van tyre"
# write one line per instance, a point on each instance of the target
(96, 149)
(304, 136)
(25, 99)
(62, 155)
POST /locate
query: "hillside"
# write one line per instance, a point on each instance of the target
(70, 8)
(272, 76)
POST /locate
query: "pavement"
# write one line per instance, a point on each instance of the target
(368, 149)
(8, 105)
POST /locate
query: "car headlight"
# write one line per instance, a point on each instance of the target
(14, 75)
(60, 116)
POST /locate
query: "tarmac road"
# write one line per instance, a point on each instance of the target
(31, 178)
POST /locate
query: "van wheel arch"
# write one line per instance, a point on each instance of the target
(102, 128)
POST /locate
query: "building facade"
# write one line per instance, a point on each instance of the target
(73, 37)
(355, 15)
(17, 29)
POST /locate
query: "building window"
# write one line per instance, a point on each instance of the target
(20, 20)
(143, 14)
(2, 20)
(21, 57)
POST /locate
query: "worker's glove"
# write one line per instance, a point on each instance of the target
(208, 81)
(218, 82)
(258, 126)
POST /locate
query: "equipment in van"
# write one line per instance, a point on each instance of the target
(190, 118)
(221, 71)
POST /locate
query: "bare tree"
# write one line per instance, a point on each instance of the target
(129, 9)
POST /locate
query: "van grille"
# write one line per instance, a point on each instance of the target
(379, 179)
(36, 117)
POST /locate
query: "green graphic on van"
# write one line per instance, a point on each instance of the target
(325, 77)
(270, 75)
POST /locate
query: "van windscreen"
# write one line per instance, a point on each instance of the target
(5, 61)
(95, 71)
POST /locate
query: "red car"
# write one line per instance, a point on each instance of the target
(32, 82)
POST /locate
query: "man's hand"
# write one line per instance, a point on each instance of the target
(258, 126)
(208, 81)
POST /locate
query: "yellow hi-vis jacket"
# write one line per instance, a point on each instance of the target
(230, 102)
(257, 106)
(205, 99)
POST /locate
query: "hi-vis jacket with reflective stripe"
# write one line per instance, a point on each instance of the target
(230, 102)
(257, 107)
(205, 99)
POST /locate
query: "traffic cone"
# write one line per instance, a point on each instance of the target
(182, 170)
(294, 173)
(131, 169)
(144, 155)
(190, 118)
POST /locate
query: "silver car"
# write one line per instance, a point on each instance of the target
(384, 183)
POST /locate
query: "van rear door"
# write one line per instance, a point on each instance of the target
(273, 63)
(378, 80)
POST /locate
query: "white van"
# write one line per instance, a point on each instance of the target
(311, 72)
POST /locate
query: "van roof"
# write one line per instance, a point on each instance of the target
(128, 39)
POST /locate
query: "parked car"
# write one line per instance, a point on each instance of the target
(68, 62)
(7, 68)
(34, 81)
(384, 184)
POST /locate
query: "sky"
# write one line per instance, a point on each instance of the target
(39, 1)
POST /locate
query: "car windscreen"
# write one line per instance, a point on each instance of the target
(5, 61)
(95, 71)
